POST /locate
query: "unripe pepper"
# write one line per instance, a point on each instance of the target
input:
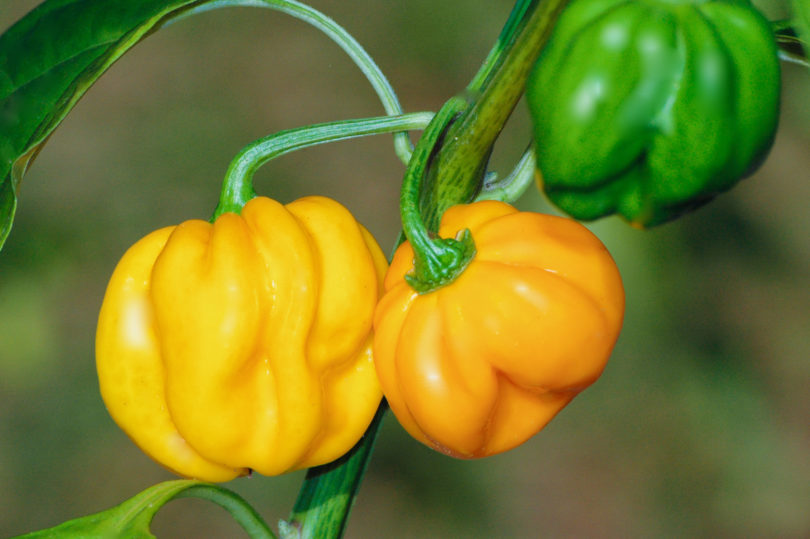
(480, 365)
(246, 343)
(650, 108)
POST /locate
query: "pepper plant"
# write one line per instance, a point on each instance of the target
(264, 340)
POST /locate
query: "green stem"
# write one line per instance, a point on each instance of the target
(511, 187)
(237, 188)
(325, 499)
(240, 510)
(515, 22)
(457, 171)
(793, 58)
(437, 261)
(375, 76)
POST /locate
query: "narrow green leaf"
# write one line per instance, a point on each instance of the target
(132, 518)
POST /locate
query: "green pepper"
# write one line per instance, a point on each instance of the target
(650, 108)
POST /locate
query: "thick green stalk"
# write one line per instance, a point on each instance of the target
(326, 497)
(514, 24)
(511, 187)
(457, 171)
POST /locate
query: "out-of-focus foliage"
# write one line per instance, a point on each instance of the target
(697, 428)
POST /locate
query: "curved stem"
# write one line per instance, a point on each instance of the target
(412, 222)
(237, 188)
(511, 187)
(437, 262)
(792, 58)
(240, 510)
(375, 76)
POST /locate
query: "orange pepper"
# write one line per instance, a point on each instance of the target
(482, 364)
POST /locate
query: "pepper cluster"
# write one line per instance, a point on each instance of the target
(266, 339)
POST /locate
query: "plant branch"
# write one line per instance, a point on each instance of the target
(458, 169)
(237, 188)
(325, 499)
(335, 32)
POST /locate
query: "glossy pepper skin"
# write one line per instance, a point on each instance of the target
(244, 344)
(481, 365)
(649, 108)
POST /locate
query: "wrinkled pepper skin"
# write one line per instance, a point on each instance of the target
(650, 108)
(246, 344)
(481, 365)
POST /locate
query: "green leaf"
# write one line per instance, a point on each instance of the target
(132, 518)
(48, 60)
(51, 57)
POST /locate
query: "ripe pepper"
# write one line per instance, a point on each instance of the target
(480, 365)
(246, 343)
(649, 109)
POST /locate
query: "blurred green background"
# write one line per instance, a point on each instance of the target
(700, 426)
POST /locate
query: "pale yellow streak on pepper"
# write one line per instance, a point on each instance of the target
(130, 369)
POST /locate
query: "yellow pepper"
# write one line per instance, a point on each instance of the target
(480, 365)
(244, 344)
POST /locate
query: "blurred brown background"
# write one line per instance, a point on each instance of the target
(698, 428)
